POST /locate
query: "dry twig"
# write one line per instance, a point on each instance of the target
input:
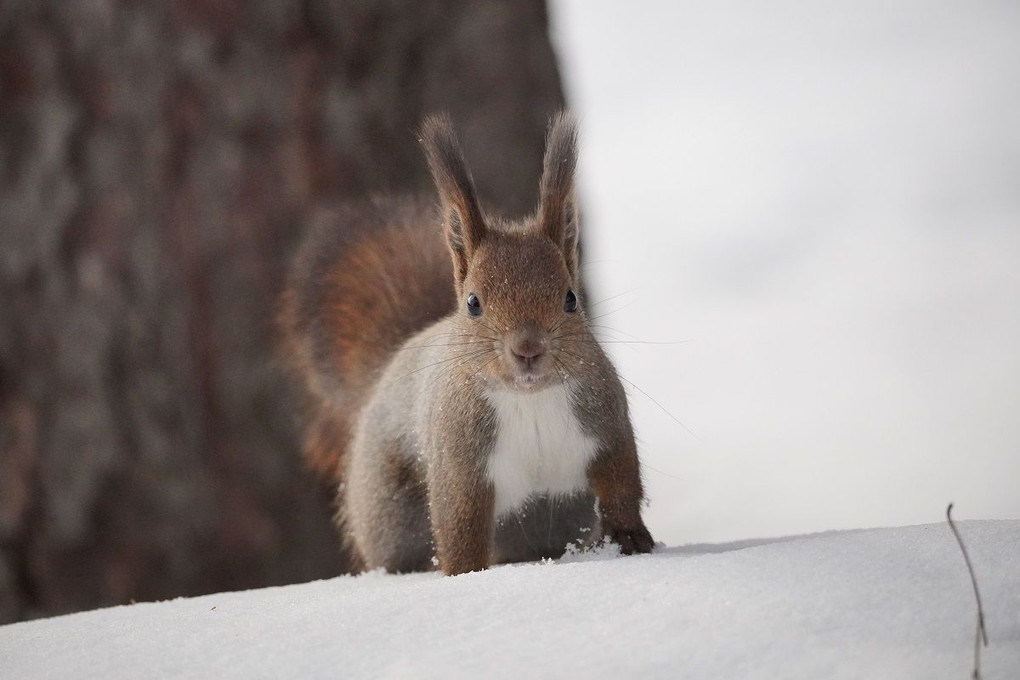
(980, 635)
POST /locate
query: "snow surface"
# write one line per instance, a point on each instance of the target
(881, 603)
(824, 198)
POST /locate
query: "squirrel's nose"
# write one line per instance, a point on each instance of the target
(527, 350)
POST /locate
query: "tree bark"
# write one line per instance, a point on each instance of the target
(158, 162)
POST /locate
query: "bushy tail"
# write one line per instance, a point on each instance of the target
(366, 279)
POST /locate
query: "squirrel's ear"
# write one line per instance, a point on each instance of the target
(465, 227)
(557, 208)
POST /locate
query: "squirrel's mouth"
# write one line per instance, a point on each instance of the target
(527, 364)
(529, 381)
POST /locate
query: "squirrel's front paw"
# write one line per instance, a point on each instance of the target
(635, 540)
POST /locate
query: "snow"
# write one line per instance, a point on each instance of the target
(822, 198)
(882, 603)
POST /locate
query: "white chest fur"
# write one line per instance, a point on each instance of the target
(540, 447)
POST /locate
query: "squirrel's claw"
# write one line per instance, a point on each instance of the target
(632, 541)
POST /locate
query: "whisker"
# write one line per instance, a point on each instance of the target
(611, 297)
(661, 472)
(481, 368)
(444, 344)
(589, 263)
(443, 361)
(568, 353)
(618, 309)
(629, 342)
(650, 397)
(663, 408)
(456, 335)
(615, 330)
(637, 341)
(466, 359)
(488, 326)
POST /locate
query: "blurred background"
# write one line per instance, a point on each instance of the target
(821, 203)
(824, 200)
(158, 163)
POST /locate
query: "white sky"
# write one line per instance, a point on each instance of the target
(825, 200)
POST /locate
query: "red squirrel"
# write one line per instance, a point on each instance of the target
(467, 413)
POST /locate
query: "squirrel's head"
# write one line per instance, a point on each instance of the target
(517, 283)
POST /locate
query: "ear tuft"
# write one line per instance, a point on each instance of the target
(465, 227)
(557, 210)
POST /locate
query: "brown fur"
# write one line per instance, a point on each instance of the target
(403, 375)
(363, 282)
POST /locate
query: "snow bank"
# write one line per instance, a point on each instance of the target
(883, 603)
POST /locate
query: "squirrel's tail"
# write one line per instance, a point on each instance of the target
(366, 279)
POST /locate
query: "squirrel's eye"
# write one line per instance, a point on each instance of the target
(570, 304)
(473, 305)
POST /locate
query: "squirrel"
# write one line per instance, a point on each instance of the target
(469, 419)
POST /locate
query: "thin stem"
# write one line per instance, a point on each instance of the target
(980, 635)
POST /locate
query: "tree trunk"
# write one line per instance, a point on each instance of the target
(158, 162)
